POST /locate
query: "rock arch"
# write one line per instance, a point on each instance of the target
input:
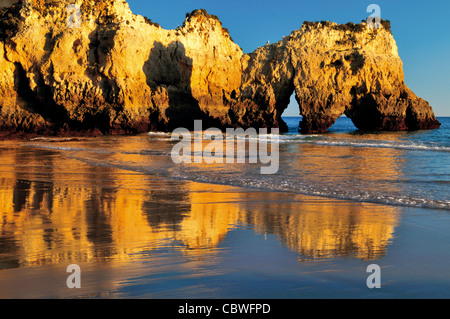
(335, 71)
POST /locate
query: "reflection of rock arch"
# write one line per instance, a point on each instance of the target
(328, 230)
(314, 229)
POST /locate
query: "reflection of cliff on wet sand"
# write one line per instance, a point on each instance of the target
(318, 228)
(313, 227)
(70, 212)
(56, 210)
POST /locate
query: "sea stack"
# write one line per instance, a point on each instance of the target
(88, 66)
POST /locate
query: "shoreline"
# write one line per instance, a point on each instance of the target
(6, 135)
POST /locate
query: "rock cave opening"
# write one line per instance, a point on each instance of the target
(343, 124)
(291, 115)
(292, 109)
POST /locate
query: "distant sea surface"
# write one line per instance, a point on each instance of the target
(398, 168)
(140, 225)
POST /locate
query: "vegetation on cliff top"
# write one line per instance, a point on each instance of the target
(149, 21)
(200, 12)
(350, 26)
(203, 13)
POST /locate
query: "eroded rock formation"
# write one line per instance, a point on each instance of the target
(117, 72)
(335, 70)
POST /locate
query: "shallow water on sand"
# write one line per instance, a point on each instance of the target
(140, 226)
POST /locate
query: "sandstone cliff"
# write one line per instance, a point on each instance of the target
(335, 70)
(117, 72)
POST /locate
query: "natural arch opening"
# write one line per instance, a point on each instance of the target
(343, 124)
(291, 115)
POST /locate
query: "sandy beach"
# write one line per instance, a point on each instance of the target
(136, 235)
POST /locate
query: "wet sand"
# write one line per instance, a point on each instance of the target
(140, 236)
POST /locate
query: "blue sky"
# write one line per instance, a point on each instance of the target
(421, 29)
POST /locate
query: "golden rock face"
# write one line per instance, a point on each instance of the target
(157, 77)
(99, 66)
(335, 71)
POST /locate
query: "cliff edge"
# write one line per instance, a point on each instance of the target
(98, 67)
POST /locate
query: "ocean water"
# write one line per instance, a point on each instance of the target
(399, 168)
(141, 226)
